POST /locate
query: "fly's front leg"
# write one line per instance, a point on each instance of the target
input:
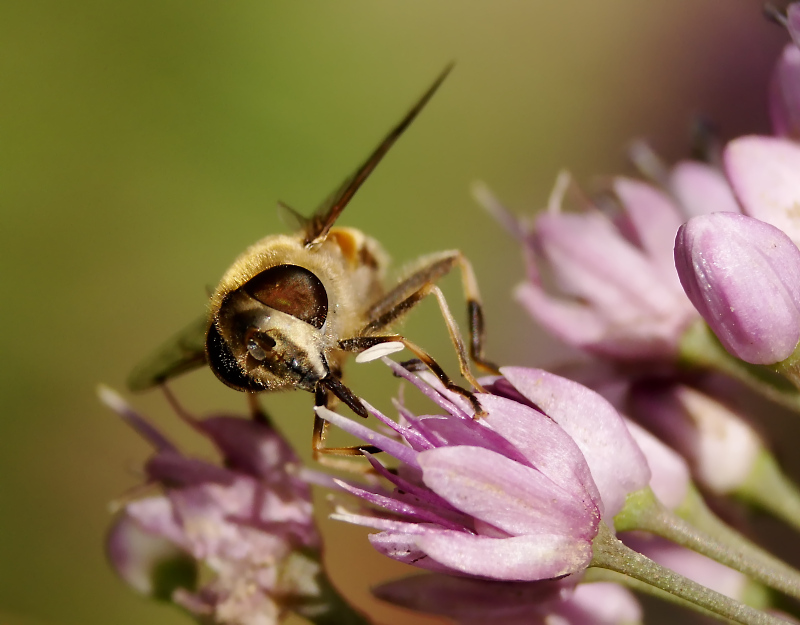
(362, 343)
(324, 455)
(421, 283)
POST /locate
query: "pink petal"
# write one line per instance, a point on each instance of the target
(669, 472)
(702, 189)
(764, 174)
(379, 523)
(155, 516)
(520, 558)
(403, 548)
(545, 444)
(170, 467)
(505, 494)
(573, 323)
(600, 603)
(251, 447)
(412, 491)
(785, 94)
(450, 431)
(628, 334)
(655, 220)
(590, 259)
(616, 462)
(136, 554)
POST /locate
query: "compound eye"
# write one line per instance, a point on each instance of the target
(258, 344)
(293, 290)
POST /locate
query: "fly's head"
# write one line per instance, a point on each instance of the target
(268, 333)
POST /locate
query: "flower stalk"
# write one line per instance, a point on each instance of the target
(715, 540)
(610, 553)
(700, 349)
(596, 574)
(768, 488)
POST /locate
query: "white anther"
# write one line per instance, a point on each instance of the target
(379, 350)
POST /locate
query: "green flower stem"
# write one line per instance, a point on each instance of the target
(790, 368)
(767, 487)
(699, 348)
(754, 594)
(644, 512)
(694, 510)
(605, 575)
(611, 554)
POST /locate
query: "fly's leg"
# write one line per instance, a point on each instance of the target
(257, 413)
(327, 455)
(421, 283)
(362, 343)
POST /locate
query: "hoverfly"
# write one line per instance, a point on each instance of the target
(291, 308)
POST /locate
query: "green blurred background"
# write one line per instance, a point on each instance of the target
(144, 144)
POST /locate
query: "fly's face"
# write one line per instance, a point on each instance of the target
(268, 334)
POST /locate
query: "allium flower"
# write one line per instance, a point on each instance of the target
(743, 276)
(618, 294)
(517, 495)
(476, 602)
(247, 523)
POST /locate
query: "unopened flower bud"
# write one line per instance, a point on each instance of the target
(743, 276)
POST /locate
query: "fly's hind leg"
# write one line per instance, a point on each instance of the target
(421, 283)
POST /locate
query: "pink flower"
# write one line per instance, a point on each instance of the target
(516, 495)
(247, 524)
(743, 276)
(616, 294)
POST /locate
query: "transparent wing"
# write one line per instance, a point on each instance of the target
(292, 219)
(329, 211)
(183, 352)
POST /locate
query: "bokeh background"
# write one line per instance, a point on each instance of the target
(144, 144)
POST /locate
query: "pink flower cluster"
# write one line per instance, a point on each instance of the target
(242, 522)
(504, 509)
(618, 295)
